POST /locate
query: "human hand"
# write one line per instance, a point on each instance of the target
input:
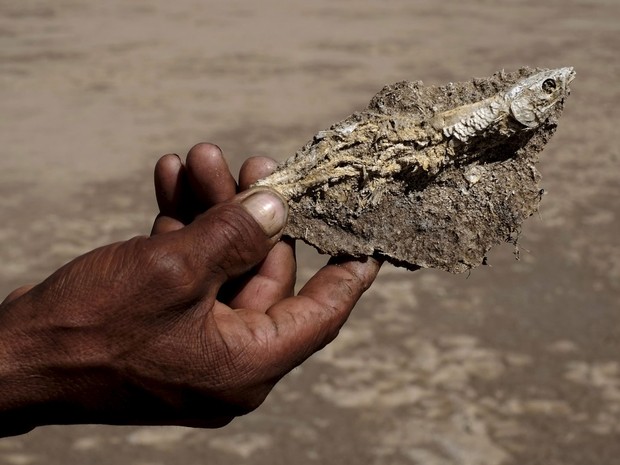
(191, 326)
(184, 191)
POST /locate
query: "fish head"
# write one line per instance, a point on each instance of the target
(532, 100)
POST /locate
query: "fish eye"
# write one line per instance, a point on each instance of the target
(548, 86)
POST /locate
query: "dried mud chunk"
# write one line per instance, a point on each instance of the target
(426, 176)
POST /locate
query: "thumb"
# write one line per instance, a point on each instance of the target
(267, 208)
(232, 237)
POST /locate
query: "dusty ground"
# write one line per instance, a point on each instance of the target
(518, 363)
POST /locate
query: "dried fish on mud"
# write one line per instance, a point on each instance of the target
(426, 176)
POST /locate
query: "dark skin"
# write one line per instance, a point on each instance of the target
(191, 326)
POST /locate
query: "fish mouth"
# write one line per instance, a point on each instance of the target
(568, 74)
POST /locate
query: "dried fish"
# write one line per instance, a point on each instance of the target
(426, 176)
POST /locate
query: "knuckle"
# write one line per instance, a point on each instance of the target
(172, 271)
(166, 267)
(356, 278)
(349, 287)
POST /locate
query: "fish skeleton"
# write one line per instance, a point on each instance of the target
(394, 144)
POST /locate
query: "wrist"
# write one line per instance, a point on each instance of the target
(28, 392)
(55, 372)
(18, 396)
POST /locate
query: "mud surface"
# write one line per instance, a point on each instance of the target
(516, 363)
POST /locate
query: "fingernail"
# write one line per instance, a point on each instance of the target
(268, 209)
